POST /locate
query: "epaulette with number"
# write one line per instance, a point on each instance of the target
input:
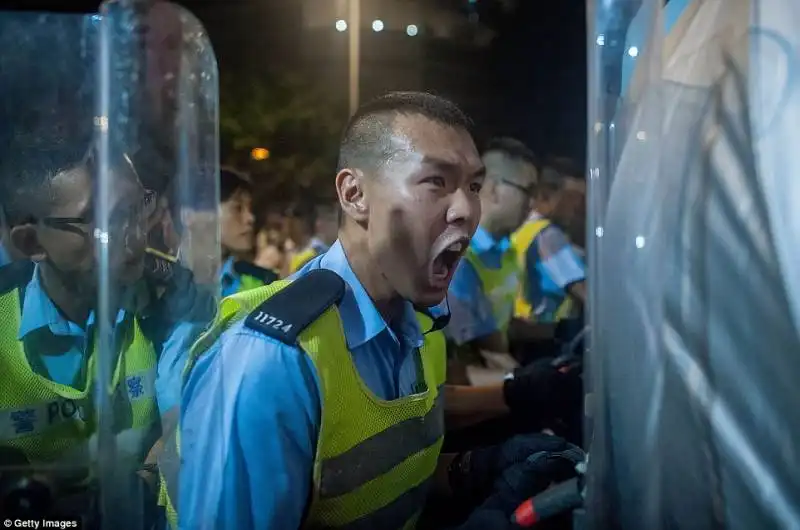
(288, 312)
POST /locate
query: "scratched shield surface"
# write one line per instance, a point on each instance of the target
(157, 243)
(694, 108)
(110, 252)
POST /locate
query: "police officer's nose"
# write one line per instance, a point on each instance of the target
(464, 208)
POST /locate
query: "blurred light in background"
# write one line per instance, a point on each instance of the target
(377, 25)
(341, 25)
(259, 153)
(412, 30)
(633, 51)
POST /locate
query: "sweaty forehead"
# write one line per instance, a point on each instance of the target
(421, 137)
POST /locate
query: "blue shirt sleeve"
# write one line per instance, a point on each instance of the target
(249, 427)
(471, 313)
(172, 361)
(557, 259)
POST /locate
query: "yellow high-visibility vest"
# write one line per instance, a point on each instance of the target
(521, 240)
(375, 459)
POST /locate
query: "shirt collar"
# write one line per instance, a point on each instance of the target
(483, 241)
(39, 311)
(318, 245)
(361, 319)
(227, 271)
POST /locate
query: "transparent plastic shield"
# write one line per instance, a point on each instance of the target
(156, 240)
(694, 115)
(47, 81)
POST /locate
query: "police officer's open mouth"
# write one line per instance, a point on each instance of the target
(445, 262)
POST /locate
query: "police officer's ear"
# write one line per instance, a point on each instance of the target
(25, 239)
(352, 196)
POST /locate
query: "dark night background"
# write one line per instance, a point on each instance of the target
(518, 67)
(530, 82)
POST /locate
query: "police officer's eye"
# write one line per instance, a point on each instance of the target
(437, 181)
(476, 187)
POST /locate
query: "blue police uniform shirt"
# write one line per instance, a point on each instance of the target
(229, 279)
(552, 265)
(471, 312)
(58, 348)
(4, 258)
(251, 411)
(318, 245)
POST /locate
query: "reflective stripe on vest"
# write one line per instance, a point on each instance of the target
(374, 458)
(500, 286)
(521, 240)
(47, 421)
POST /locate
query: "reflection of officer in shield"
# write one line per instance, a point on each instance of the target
(48, 354)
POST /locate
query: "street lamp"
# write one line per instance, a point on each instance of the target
(259, 154)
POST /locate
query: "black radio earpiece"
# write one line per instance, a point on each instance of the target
(438, 323)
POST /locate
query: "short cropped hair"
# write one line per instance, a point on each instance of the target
(512, 148)
(554, 173)
(34, 158)
(366, 142)
(232, 181)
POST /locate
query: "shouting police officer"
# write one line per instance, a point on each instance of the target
(317, 401)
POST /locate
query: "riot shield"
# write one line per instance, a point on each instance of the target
(109, 201)
(694, 109)
(157, 238)
(46, 104)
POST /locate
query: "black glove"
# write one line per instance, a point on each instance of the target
(526, 479)
(471, 474)
(540, 392)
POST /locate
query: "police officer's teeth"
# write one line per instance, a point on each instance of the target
(456, 247)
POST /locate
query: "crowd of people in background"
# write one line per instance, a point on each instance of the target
(282, 240)
(279, 241)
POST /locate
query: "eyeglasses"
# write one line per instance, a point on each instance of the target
(527, 190)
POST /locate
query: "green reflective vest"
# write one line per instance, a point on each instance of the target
(375, 458)
(53, 424)
(521, 240)
(252, 276)
(500, 285)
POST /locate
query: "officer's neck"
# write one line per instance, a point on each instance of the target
(68, 297)
(386, 300)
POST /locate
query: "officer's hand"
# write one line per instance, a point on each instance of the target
(526, 479)
(472, 473)
(539, 391)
